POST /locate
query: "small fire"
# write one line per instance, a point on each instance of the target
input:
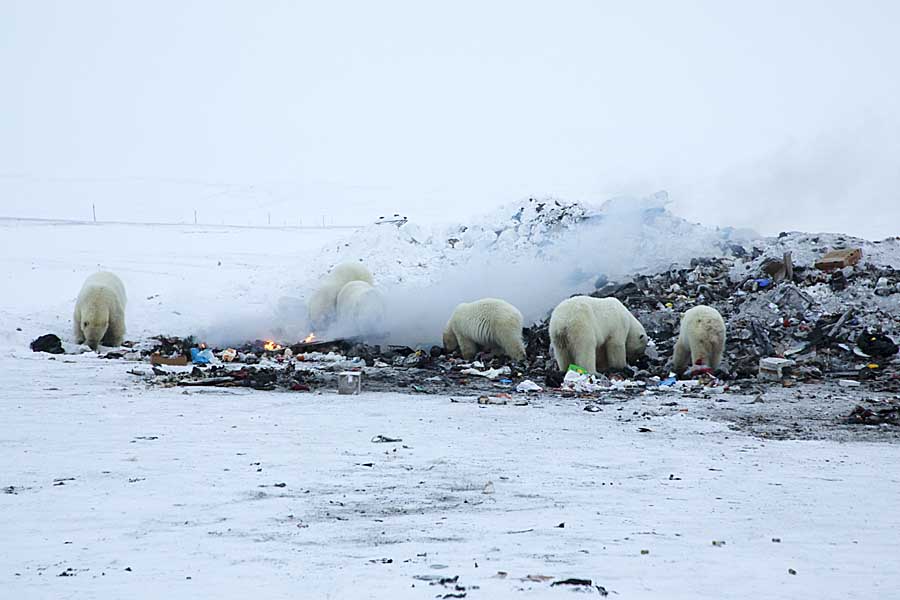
(310, 338)
(271, 346)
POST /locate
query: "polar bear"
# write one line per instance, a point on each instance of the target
(360, 308)
(701, 339)
(488, 323)
(100, 311)
(322, 304)
(595, 334)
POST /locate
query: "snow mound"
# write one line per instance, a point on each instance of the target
(622, 236)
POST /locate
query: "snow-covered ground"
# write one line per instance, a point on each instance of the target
(148, 492)
(179, 278)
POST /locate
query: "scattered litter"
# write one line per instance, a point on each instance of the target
(491, 400)
(772, 368)
(876, 344)
(880, 416)
(488, 374)
(528, 386)
(383, 439)
(48, 343)
(838, 259)
(573, 581)
(584, 382)
(171, 361)
(349, 382)
(202, 357)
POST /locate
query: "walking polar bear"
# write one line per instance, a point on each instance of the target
(100, 311)
(701, 340)
(595, 333)
(360, 308)
(322, 305)
(488, 323)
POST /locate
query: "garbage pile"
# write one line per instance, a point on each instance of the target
(318, 365)
(835, 320)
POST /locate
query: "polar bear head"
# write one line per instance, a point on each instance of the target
(94, 323)
(635, 341)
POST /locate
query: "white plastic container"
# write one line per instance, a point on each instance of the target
(349, 382)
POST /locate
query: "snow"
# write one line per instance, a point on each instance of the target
(622, 236)
(164, 492)
(179, 278)
(175, 485)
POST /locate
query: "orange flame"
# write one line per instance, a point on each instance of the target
(271, 346)
(310, 338)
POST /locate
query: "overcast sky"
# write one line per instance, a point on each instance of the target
(773, 115)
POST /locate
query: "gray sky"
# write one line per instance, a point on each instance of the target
(774, 115)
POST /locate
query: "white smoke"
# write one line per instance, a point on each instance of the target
(530, 255)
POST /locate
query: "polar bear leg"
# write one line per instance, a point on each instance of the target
(115, 332)
(585, 356)
(682, 357)
(76, 321)
(573, 345)
(615, 354)
(706, 352)
(715, 355)
(563, 358)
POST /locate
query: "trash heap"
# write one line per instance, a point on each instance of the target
(817, 311)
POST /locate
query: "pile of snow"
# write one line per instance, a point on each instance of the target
(622, 236)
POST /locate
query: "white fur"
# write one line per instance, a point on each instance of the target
(322, 304)
(701, 340)
(360, 308)
(595, 334)
(488, 323)
(346, 272)
(100, 311)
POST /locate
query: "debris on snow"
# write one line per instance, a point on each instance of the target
(48, 343)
